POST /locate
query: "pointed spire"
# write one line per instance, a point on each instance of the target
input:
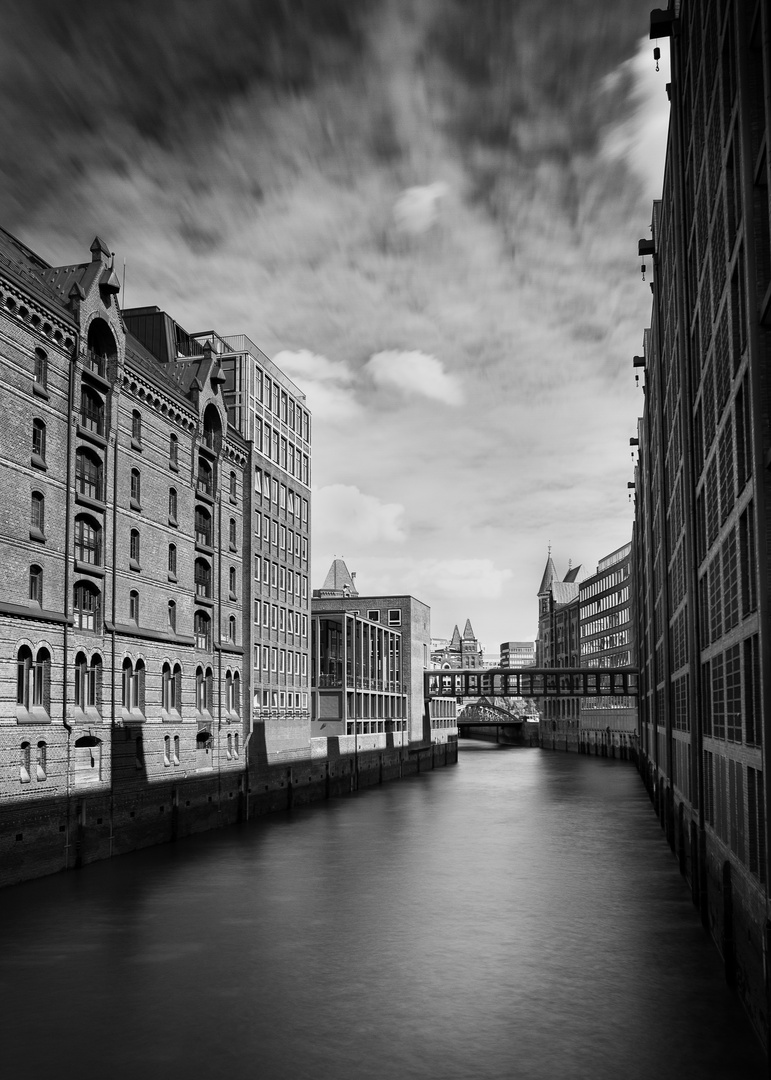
(455, 639)
(549, 575)
(338, 581)
(468, 633)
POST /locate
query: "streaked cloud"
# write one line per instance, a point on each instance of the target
(325, 382)
(414, 372)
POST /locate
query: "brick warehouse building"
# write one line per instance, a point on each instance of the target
(702, 487)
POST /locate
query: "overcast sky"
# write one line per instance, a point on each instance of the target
(426, 211)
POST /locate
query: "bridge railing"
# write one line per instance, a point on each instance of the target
(533, 682)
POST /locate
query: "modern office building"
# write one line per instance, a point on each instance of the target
(517, 654)
(368, 656)
(606, 631)
(702, 510)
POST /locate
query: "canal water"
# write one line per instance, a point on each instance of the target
(517, 915)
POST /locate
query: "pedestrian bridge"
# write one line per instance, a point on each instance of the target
(531, 682)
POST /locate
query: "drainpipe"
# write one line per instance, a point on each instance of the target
(65, 606)
(114, 612)
(219, 637)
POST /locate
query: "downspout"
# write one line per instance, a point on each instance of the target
(219, 639)
(65, 607)
(114, 612)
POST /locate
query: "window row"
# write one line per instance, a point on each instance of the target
(282, 452)
(393, 616)
(285, 620)
(281, 661)
(282, 498)
(281, 577)
(269, 393)
(272, 532)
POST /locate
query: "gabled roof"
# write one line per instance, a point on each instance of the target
(455, 639)
(549, 575)
(468, 633)
(338, 581)
(31, 272)
(564, 591)
(572, 574)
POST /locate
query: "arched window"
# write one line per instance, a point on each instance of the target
(134, 549)
(91, 411)
(173, 452)
(33, 679)
(134, 606)
(87, 759)
(203, 533)
(133, 685)
(87, 606)
(229, 692)
(205, 477)
(167, 687)
(232, 534)
(88, 474)
(230, 747)
(232, 580)
(37, 515)
(41, 764)
(38, 442)
(167, 750)
(212, 428)
(202, 631)
(136, 490)
(203, 750)
(136, 429)
(176, 749)
(202, 574)
(233, 487)
(36, 584)
(201, 701)
(177, 689)
(235, 744)
(232, 629)
(172, 616)
(172, 506)
(40, 374)
(101, 345)
(88, 540)
(24, 763)
(173, 561)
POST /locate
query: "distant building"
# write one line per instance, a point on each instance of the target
(558, 645)
(459, 652)
(517, 654)
(607, 640)
(380, 645)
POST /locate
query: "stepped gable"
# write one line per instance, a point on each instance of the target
(549, 575)
(338, 581)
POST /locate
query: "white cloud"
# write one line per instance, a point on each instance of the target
(429, 579)
(417, 208)
(415, 372)
(345, 518)
(325, 382)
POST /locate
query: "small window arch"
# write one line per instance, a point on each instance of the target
(232, 534)
(167, 750)
(232, 580)
(36, 584)
(133, 686)
(134, 549)
(24, 763)
(177, 675)
(203, 578)
(203, 530)
(40, 373)
(37, 515)
(91, 411)
(134, 606)
(233, 487)
(232, 629)
(89, 474)
(172, 616)
(173, 561)
(235, 743)
(176, 749)
(202, 631)
(87, 606)
(173, 451)
(136, 490)
(237, 698)
(205, 478)
(33, 679)
(41, 764)
(136, 429)
(88, 540)
(38, 442)
(229, 751)
(172, 506)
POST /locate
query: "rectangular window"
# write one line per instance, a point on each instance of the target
(273, 659)
(257, 561)
(394, 617)
(282, 619)
(282, 661)
(373, 616)
(274, 617)
(258, 481)
(282, 579)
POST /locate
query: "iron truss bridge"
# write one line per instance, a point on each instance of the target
(532, 682)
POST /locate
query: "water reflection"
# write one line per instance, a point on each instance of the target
(518, 915)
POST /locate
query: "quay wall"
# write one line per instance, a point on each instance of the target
(45, 836)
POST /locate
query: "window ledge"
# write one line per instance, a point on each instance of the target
(135, 504)
(36, 715)
(40, 391)
(134, 565)
(136, 445)
(36, 534)
(89, 715)
(86, 500)
(171, 576)
(91, 436)
(132, 716)
(173, 521)
(39, 463)
(88, 568)
(206, 600)
(174, 466)
(233, 547)
(232, 596)
(171, 716)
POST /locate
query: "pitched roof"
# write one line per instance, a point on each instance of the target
(549, 575)
(572, 574)
(468, 633)
(564, 591)
(338, 581)
(455, 640)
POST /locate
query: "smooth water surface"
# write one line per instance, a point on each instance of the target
(516, 915)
